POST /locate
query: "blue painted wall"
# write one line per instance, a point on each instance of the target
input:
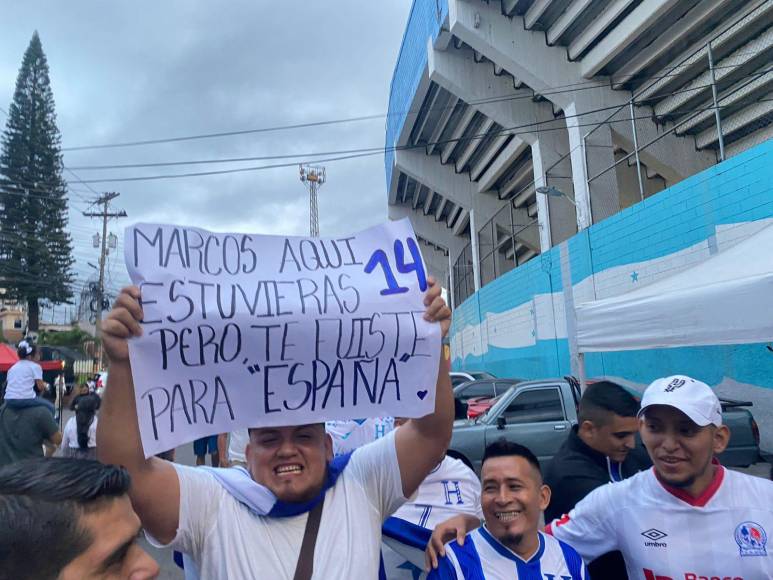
(424, 22)
(736, 191)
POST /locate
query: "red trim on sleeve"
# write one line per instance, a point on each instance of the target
(559, 522)
(702, 499)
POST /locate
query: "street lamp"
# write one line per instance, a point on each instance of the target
(551, 191)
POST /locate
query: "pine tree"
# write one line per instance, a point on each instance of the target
(35, 247)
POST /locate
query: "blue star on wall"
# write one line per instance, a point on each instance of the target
(634, 276)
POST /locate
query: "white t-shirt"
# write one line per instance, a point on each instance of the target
(237, 444)
(450, 489)
(228, 542)
(663, 533)
(70, 435)
(21, 380)
(350, 435)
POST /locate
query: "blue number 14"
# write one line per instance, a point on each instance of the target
(379, 257)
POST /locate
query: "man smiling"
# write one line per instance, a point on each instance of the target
(510, 544)
(688, 517)
(217, 516)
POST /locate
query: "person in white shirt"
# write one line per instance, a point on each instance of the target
(192, 511)
(25, 377)
(80, 431)
(350, 435)
(232, 448)
(451, 488)
(688, 517)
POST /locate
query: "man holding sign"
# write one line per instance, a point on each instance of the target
(263, 521)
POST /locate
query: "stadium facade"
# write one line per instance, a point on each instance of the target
(552, 152)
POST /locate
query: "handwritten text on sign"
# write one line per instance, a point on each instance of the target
(249, 330)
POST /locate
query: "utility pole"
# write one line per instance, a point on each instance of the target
(313, 178)
(104, 200)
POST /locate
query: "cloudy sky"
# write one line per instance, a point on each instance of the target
(131, 71)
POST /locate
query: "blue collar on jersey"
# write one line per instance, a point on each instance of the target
(509, 554)
(261, 501)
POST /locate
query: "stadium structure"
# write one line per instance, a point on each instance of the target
(549, 152)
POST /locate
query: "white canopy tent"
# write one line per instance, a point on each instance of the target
(726, 299)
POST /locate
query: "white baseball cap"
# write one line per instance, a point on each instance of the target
(693, 398)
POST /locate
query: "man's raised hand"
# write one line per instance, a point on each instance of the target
(122, 323)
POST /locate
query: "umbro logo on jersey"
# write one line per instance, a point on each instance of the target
(653, 535)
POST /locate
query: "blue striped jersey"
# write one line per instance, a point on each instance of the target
(483, 558)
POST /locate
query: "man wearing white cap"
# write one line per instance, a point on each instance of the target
(688, 517)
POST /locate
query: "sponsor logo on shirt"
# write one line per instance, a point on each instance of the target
(751, 539)
(654, 535)
(650, 575)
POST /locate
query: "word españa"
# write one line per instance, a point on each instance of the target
(319, 387)
(214, 255)
(315, 386)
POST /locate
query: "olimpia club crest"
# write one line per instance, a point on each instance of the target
(751, 539)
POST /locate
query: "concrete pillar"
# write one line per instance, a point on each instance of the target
(475, 253)
(451, 298)
(543, 202)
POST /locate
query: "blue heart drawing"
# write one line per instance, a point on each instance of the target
(422, 394)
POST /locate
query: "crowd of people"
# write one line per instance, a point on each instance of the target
(378, 498)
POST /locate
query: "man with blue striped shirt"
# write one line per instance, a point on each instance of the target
(510, 544)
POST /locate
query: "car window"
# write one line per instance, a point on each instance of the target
(457, 380)
(535, 406)
(482, 389)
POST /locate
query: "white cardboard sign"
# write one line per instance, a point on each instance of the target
(244, 330)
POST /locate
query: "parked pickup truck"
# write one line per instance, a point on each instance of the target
(539, 415)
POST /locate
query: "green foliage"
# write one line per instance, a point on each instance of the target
(73, 338)
(35, 247)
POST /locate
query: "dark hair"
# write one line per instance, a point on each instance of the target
(504, 448)
(85, 411)
(22, 353)
(605, 397)
(41, 501)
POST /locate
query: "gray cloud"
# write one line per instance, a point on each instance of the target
(124, 71)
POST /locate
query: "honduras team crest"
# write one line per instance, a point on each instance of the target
(751, 539)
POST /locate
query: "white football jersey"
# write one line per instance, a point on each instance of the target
(664, 534)
(350, 435)
(450, 489)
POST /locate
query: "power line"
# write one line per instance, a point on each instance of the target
(560, 89)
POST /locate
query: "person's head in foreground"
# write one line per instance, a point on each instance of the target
(513, 496)
(681, 427)
(69, 519)
(608, 420)
(290, 461)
